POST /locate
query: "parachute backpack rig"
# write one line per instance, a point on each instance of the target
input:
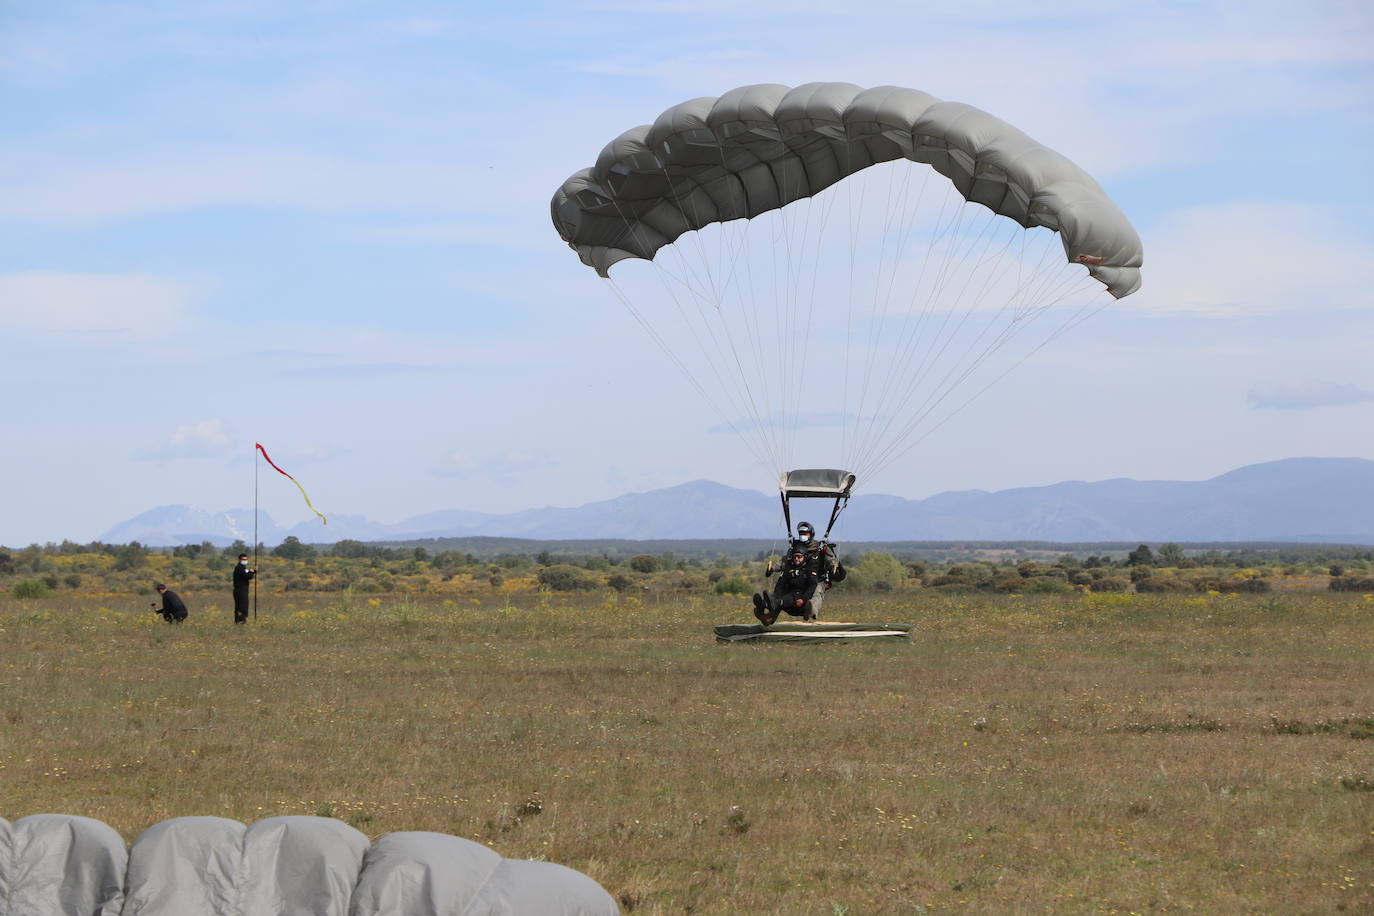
(812, 483)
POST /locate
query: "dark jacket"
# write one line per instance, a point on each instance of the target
(822, 555)
(801, 580)
(242, 577)
(173, 608)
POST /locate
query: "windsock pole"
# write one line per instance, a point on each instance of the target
(255, 532)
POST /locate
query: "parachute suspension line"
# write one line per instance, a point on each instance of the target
(907, 345)
(1043, 303)
(788, 216)
(875, 317)
(715, 357)
(907, 224)
(851, 449)
(798, 326)
(904, 354)
(849, 307)
(687, 373)
(735, 239)
(750, 314)
(663, 274)
(824, 205)
(855, 222)
(713, 292)
(734, 243)
(1078, 318)
(957, 370)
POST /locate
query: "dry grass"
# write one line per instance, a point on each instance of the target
(1095, 754)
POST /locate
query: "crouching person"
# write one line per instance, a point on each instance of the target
(173, 609)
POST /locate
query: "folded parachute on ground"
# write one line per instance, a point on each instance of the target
(210, 866)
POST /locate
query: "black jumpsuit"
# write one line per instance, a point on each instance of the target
(242, 576)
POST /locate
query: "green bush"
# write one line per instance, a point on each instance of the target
(875, 571)
(1351, 584)
(1048, 586)
(733, 586)
(1232, 586)
(30, 588)
(1158, 585)
(564, 577)
(1111, 584)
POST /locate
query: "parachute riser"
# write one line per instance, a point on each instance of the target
(840, 503)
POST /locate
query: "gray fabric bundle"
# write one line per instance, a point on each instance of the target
(283, 866)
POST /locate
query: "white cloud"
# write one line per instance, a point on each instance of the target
(1242, 258)
(203, 439)
(1305, 395)
(54, 301)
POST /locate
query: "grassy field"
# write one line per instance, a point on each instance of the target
(1111, 753)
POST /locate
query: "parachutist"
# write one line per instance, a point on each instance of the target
(802, 582)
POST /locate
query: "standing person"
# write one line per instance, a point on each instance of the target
(173, 609)
(243, 574)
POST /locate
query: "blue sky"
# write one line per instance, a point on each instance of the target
(327, 229)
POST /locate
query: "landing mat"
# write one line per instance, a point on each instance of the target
(809, 632)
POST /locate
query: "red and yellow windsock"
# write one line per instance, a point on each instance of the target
(293, 480)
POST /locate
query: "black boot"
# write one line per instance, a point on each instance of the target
(761, 609)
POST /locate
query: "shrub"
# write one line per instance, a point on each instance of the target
(1158, 585)
(1048, 586)
(733, 586)
(131, 556)
(564, 577)
(876, 571)
(644, 563)
(619, 581)
(1111, 584)
(1008, 584)
(29, 588)
(1352, 584)
(1232, 586)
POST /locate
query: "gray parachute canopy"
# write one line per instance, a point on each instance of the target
(759, 148)
(281, 866)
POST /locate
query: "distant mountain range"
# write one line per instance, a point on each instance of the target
(1298, 499)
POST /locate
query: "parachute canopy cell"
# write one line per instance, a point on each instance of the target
(759, 148)
(211, 866)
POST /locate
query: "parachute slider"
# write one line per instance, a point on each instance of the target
(821, 483)
(1090, 259)
(815, 483)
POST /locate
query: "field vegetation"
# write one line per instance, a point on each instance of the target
(1049, 748)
